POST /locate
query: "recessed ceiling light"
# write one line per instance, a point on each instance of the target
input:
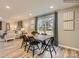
(51, 7)
(7, 7)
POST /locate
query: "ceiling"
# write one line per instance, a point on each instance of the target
(21, 8)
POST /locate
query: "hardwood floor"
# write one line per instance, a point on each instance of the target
(11, 49)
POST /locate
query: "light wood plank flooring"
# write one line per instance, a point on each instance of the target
(11, 49)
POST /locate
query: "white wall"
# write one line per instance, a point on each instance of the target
(13, 25)
(68, 38)
(29, 25)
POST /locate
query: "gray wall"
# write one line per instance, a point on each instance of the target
(68, 38)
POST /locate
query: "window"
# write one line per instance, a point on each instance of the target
(45, 24)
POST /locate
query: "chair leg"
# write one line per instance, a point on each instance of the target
(50, 51)
(38, 47)
(33, 50)
(22, 44)
(43, 50)
(28, 48)
(25, 48)
(54, 49)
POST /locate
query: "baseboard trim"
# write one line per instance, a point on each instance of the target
(68, 47)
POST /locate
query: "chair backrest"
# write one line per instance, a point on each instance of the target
(33, 41)
(11, 34)
(50, 41)
(31, 38)
(25, 38)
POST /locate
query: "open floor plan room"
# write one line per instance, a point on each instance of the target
(39, 28)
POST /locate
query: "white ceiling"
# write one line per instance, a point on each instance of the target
(22, 8)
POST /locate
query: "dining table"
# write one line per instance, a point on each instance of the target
(43, 37)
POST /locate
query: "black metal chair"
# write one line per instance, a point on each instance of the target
(32, 44)
(48, 44)
(24, 41)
